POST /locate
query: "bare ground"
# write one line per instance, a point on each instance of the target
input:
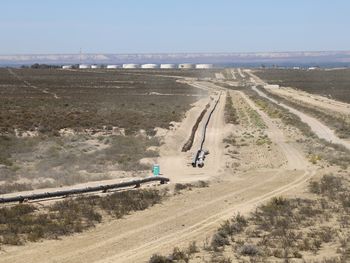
(320, 129)
(195, 214)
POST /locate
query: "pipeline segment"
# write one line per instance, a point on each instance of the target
(104, 188)
(198, 160)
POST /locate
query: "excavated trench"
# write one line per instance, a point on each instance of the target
(188, 145)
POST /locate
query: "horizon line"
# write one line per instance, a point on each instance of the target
(189, 52)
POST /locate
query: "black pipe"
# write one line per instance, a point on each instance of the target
(206, 124)
(104, 188)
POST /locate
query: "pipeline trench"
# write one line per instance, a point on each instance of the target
(200, 155)
(188, 145)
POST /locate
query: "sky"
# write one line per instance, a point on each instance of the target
(166, 26)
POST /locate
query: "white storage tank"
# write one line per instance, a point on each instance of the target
(186, 66)
(130, 66)
(67, 67)
(168, 66)
(84, 66)
(95, 66)
(204, 66)
(113, 66)
(149, 66)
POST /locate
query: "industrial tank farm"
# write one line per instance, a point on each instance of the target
(167, 66)
(84, 66)
(143, 66)
(204, 66)
(186, 66)
(150, 66)
(113, 66)
(131, 66)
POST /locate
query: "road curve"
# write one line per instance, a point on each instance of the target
(321, 130)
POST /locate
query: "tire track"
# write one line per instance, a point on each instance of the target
(205, 225)
(29, 85)
(321, 130)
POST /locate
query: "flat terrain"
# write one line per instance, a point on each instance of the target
(62, 127)
(328, 83)
(263, 154)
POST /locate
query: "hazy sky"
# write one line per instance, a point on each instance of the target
(135, 26)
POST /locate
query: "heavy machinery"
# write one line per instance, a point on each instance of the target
(199, 158)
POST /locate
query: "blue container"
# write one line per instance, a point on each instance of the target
(156, 170)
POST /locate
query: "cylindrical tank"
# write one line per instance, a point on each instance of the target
(67, 67)
(95, 66)
(204, 66)
(84, 66)
(113, 66)
(168, 66)
(131, 66)
(149, 66)
(186, 66)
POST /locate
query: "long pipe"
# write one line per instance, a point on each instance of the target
(206, 124)
(200, 155)
(104, 188)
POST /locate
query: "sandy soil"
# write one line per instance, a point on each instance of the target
(312, 99)
(295, 160)
(240, 73)
(320, 129)
(233, 73)
(177, 165)
(193, 215)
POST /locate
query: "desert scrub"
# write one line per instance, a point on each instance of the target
(278, 112)
(338, 122)
(91, 100)
(286, 229)
(178, 255)
(231, 115)
(59, 161)
(26, 222)
(263, 139)
(334, 154)
(189, 186)
(334, 83)
(14, 187)
(255, 119)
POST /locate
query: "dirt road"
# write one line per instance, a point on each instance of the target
(26, 83)
(312, 99)
(295, 160)
(186, 217)
(320, 129)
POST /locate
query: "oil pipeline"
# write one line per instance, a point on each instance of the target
(200, 155)
(66, 193)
